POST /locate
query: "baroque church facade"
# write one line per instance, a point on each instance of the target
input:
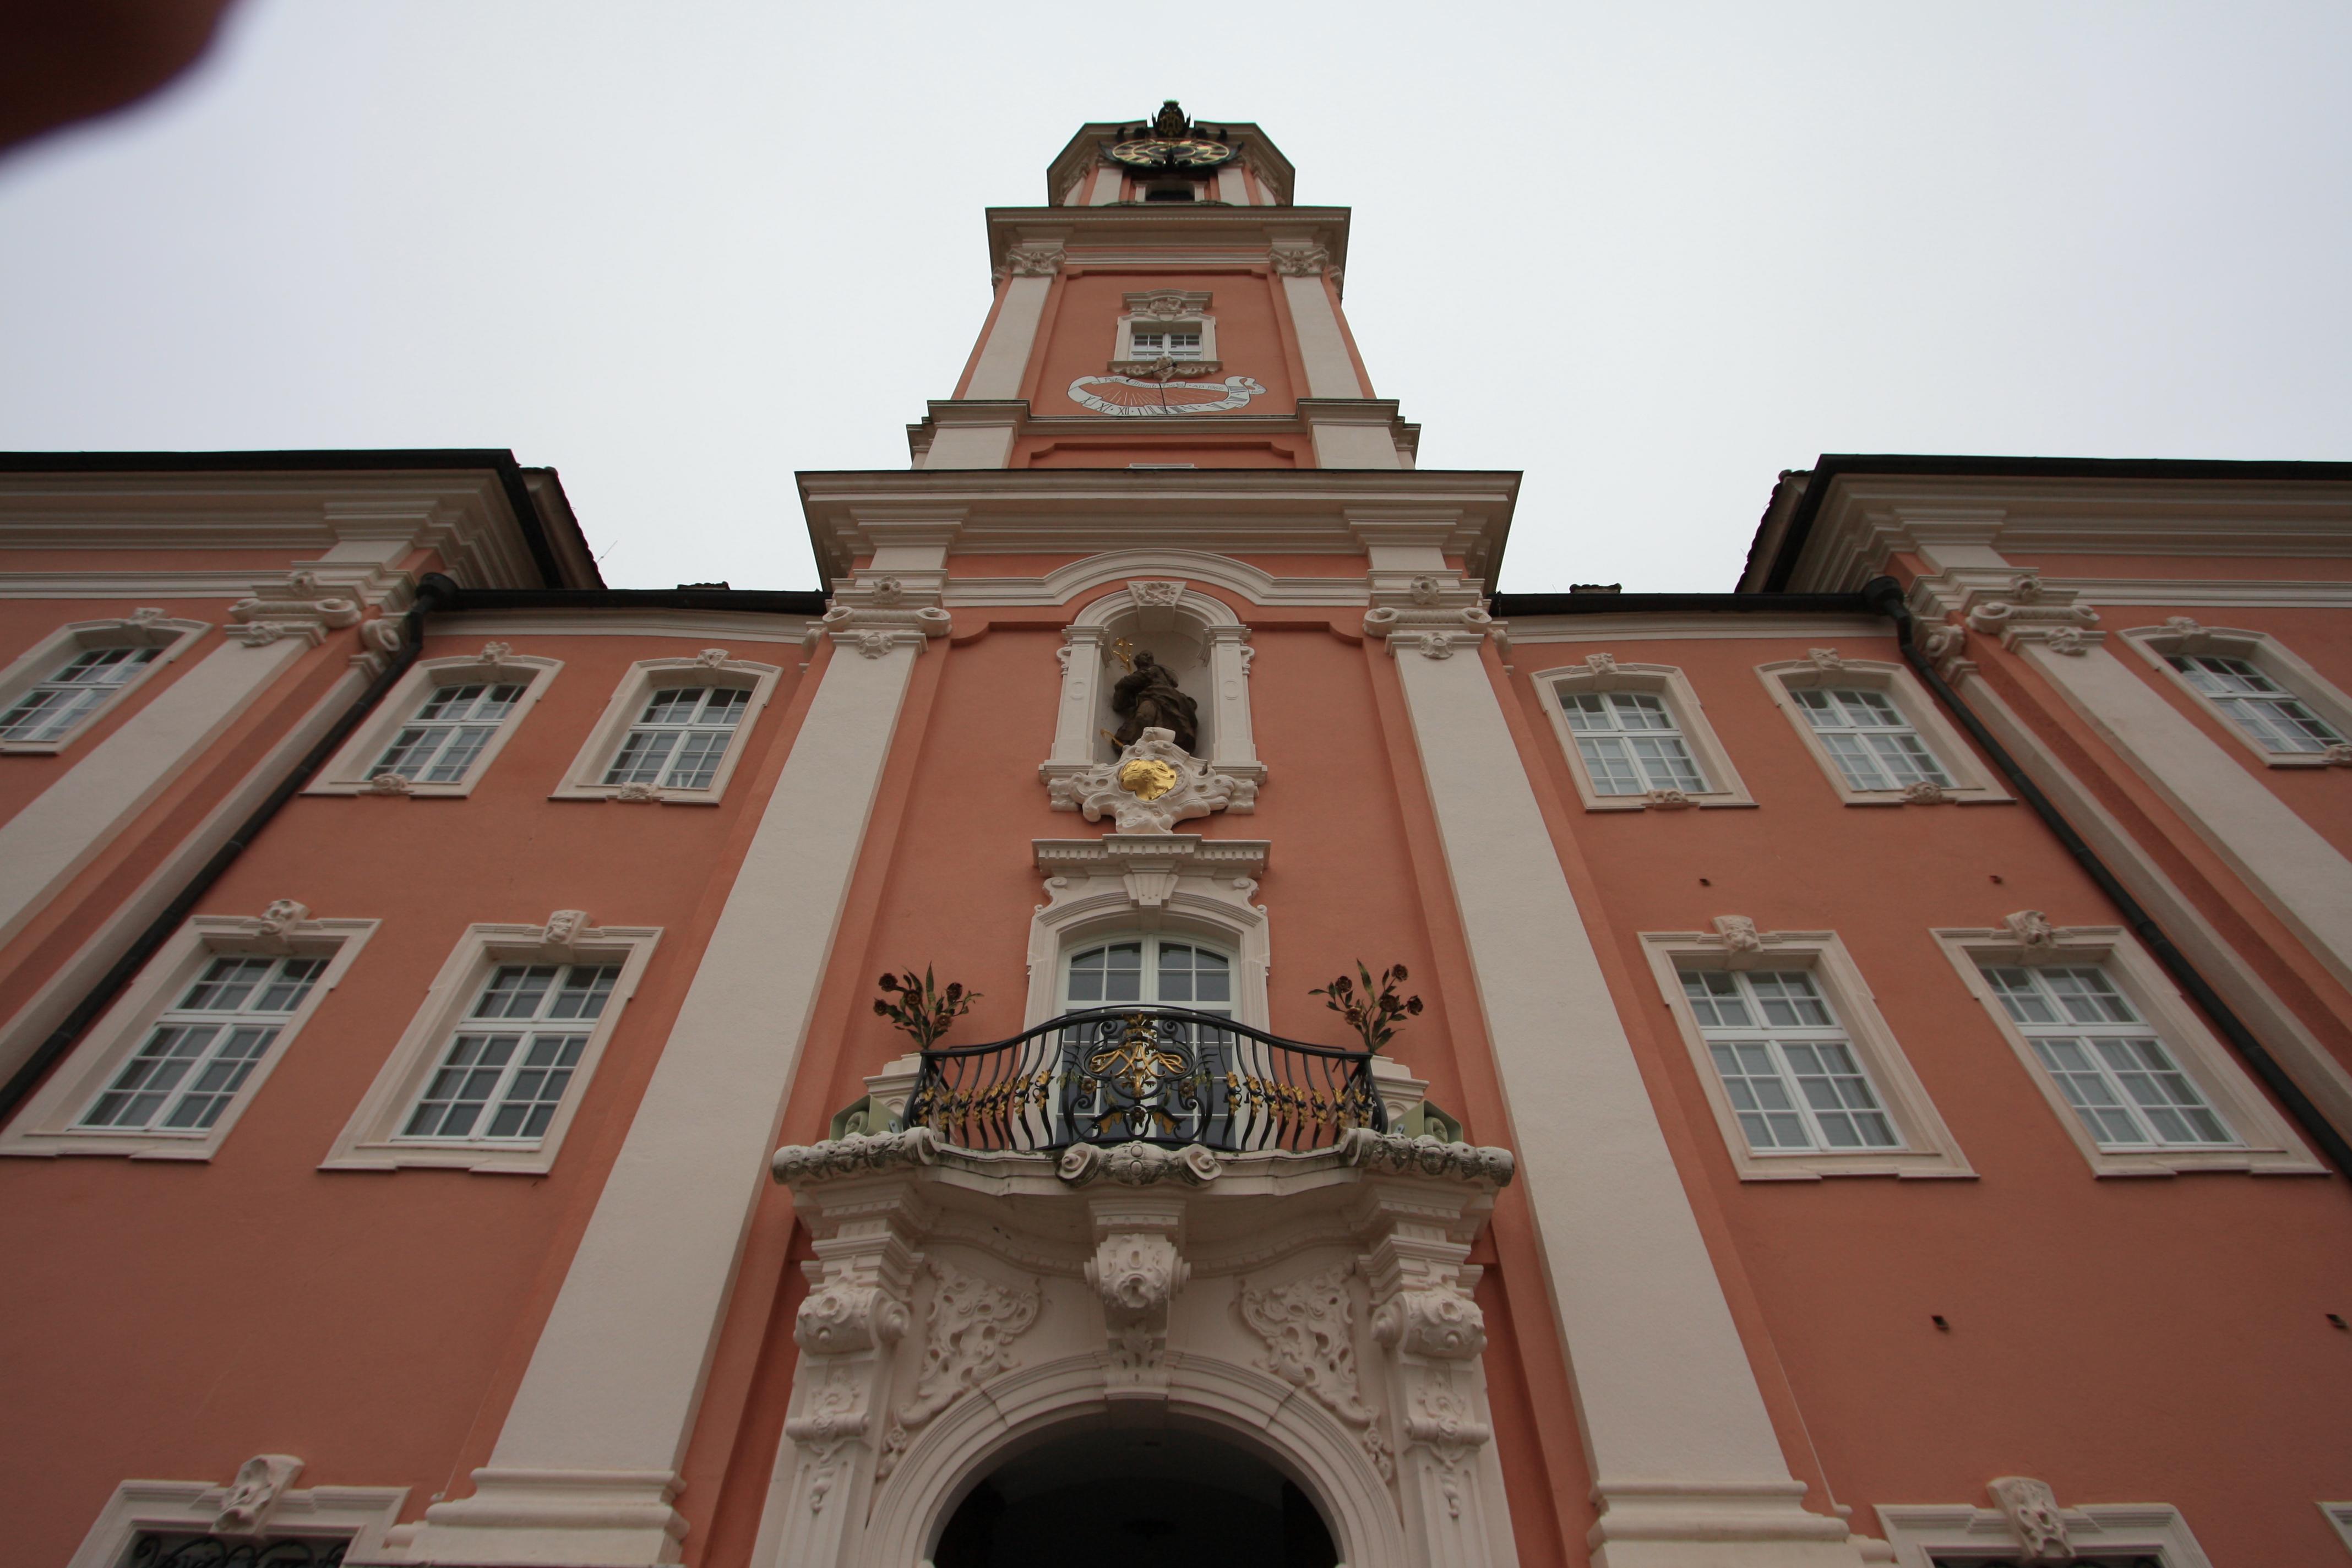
(1369, 1068)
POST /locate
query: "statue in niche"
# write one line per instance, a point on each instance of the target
(1148, 697)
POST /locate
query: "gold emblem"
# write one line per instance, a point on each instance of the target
(1146, 779)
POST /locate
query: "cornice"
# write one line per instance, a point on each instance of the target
(466, 514)
(1167, 232)
(1686, 626)
(1851, 520)
(1088, 511)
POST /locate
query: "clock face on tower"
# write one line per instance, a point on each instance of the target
(1171, 153)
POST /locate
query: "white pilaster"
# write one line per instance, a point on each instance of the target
(586, 1465)
(67, 824)
(1686, 1468)
(1029, 278)
(1330, 369)
(2297, 873)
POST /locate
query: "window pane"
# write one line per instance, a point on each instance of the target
(515, 991)
(1611, 766)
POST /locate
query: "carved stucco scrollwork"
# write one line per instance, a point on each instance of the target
(1156, 593)
(2027, 610)
(1298, 260)
(1668, 800)
(874, 630)
(2034, 932)
(1944, 646)
(389, 784)
(299, 607)
(854, 1155)
(2032, 1511)
(1136, 1274)
(638, 793)
(1825, 659)
(968, 1339)
(1600, 663)
(1441, 1419)
(1440, 1321)
(1429, 613)
(845, 1317)
(282, 916)
(1150, 786)
(383, 635)
(260, 1483)
(1362, 1147)
(1034, 259)
(1925, 792)
(1137, 1164)
(830, 1423)
(1308, 1327)
(1738, 934)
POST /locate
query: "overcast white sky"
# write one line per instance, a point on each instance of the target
(1649, 253)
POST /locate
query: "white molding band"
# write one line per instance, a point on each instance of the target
(1005, 356)
(1686, 1463)
(587, 1461)
(65, 827)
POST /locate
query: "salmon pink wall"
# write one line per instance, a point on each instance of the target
(1082, 331)
(2090, 1317)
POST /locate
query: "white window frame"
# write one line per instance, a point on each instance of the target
(2339, 1516)
(371, 1141)
(361, 1515)
(1920, 1534)
(1223, 947)
(2296, 679)
(1928, 1148)
(1972, 783)
(1601, 673)
(45, 659)
(2268, 1146)
(584, 780)
(352, 770)
(1194, 318)
(49, 1126)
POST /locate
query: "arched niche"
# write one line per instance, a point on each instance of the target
(1195, 635)
(1174, 1492)
(1217, 1405)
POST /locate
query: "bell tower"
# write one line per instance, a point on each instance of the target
(1169, 308)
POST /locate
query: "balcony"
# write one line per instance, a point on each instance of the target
(1166, 1075)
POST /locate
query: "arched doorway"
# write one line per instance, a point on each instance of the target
(1154, 1497)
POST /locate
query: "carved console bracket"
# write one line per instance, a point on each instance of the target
(2027, 612)
(1431, 614)
(1150, 786)
(300, 606)
(876, 612)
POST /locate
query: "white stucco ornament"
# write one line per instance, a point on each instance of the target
(1152, 785)
(1129, 397)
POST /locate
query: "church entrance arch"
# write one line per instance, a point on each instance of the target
(1144, 1496)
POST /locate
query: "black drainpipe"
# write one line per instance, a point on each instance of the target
(433, 592)
(1884, 595)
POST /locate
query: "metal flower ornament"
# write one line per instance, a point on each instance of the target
(922, 1009)
(1373, 1011)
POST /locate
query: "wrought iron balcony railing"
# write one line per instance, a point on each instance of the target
(1154, 1075)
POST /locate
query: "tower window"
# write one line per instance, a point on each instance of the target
(1170, 192)
(1176, 345)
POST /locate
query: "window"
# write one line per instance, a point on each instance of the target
(2272, 719)
(498, 1082)
(448, 732)
(50, 694)
(678, 739)
(1790, 1075)
(205, 1046)
(2130, 1072)
(1868, 738)
(1630, 744)
(2097, 1535)
(670, 732)
(2122, 1084)
(1174, 343)
(165, 1074)
(439, 729)
(1636, 737)
(1171, 321)
(1153, 971)
(492, 1071)
(173, 1525)
(2268, 699)
(1805, 1078)
(53, 707)
(1877, 737)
